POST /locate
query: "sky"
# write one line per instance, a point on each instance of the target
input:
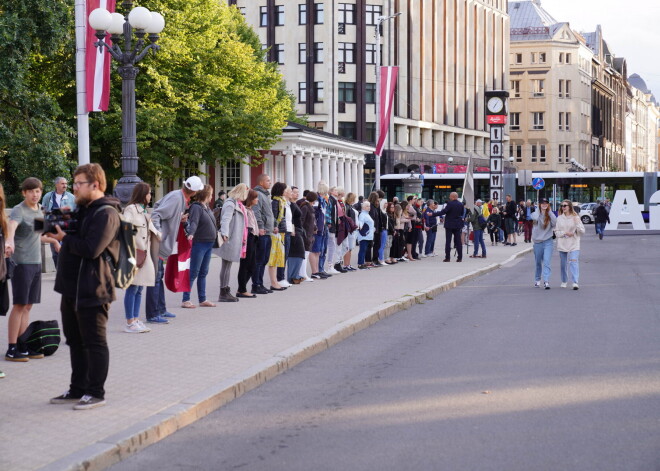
(630, 27)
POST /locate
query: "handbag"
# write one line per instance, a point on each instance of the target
(140, 257)
(218, 241)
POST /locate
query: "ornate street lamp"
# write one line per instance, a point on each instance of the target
(141, 22)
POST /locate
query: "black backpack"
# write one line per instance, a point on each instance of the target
(42, 337)
(125, 267)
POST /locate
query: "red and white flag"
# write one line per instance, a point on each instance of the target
(97, 64)
(177, 269)
(388, 76)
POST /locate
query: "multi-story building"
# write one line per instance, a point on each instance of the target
(641, 127)
(550, 91)
(608, 105)
(449, 53)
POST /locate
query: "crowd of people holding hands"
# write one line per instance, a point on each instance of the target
(294, 236)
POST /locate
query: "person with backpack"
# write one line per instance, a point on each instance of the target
(86, 282)
(201, 230)
(478, 225)
(135, 212)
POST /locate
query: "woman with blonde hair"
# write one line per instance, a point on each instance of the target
(569, 230)
(234, 230)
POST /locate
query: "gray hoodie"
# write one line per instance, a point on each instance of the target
(263, 210)
(166, 217)
(539, 233)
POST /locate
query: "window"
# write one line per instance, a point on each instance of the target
(371, 53)
(263, 16)
(515, 150)
(538, 87)
(347, 130)
(318, 53)
(302, 53)
(542, 153)
(568, 89)
(346, 92)
(370, 95)
(561, 57)
(534, 152)
(561, 121)
(561, 88)
(515, 88)
(279, 53)
(568, 152)
(242, 10)
(537, 120)
(568, 58)
(318, 13)
(302, 14)
(279, 15)
(533, 57)
(519, 58)
(347, 53)
(567, 121)
(302, 92)
(371, 132)
(373, 12)
(318, 92)
(542, 57)
(561, 153)
(347, 13)
(514, 124)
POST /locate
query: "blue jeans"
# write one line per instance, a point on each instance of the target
(543, 256)
(155, 302)
(200, 259)
(479, 240)
(383, 243)
(132, 301)
(293, 267)
(324, 249)
(362, 253)
(570, 261)
(430, 242)
(502, 238)
(600, 228)
(261, 260)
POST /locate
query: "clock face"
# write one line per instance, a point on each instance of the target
(495, 105)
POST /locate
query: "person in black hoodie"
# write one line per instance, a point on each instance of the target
(602, 217)
(85, 281)
(375, 213)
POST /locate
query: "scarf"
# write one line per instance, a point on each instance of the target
(245, 228)
(280, 214)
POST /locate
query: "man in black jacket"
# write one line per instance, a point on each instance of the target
(86, 283)
(602, 216)
(510, 210)
(453, 213)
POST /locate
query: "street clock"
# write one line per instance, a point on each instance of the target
(495, 105)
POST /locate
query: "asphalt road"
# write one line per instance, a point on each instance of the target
(493, 375)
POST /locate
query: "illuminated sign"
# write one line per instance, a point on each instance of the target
(582, 185)
(442, 187)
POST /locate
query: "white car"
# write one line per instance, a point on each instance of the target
(586, 213)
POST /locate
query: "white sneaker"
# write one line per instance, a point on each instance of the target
(537, 284)
(563, 285)
(421, 255)
(332, 271)
(284, 284)
(141, 324)
(311, 280)
(133, 328)
(575, 286)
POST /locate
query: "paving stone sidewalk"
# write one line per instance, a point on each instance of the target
(179, 366)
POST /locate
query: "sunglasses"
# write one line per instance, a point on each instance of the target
(564, 206)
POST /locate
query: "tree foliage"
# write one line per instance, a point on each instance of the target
(34, 137)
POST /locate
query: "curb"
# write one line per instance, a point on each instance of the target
(120, 446)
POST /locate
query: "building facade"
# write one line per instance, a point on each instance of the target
(550, 92)
(449, 53)
(641, 127)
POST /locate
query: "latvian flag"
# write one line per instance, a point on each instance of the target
(97, 64)
(177, 270)
(388, 76)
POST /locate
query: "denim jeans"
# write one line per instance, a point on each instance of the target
(364, 246)
(324, 248)
(479, 240)
(542, 257)
(570, 261)
(430, 242)
(200, 259)
(383, 244)
(263, 254)
(132, 301)
(293, 267)
(155, 302)
(502, 238)
(600, 228)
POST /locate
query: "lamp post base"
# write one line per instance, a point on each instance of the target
(124, 188)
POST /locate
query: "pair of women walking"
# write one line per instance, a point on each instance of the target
(567, 229)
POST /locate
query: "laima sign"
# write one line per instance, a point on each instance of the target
(626, 208)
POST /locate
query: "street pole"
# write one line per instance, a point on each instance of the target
(81, 85)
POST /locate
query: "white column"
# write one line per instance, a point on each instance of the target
(300, 173)
(348, 182)
(333, 170)
(246, 172)
(309, 179)
(361, 179)
(354, 177)
(325, 168)
(288, 167)
(340, 172)
(316, 170)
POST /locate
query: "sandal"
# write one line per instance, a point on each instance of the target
(188, 305)
(207, 304)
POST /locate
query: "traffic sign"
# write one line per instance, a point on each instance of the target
(538, 183)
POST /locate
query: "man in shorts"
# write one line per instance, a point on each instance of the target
(25, 246)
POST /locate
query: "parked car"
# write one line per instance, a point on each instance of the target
(586, 212)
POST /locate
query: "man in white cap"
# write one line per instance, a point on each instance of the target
(478, 225)
(166, 217)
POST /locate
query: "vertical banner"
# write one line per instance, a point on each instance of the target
(97, 65)
(496, 161)
(468, 186)
(388, 77)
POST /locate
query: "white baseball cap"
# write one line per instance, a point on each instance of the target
(478, 201)
(194, 183)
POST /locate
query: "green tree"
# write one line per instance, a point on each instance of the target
(34, 138)
(207, 96)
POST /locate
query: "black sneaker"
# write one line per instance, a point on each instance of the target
(316, 276)
(14, 355)
(33, 355)
(324, 274)
(89, 402)
(65, 398)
